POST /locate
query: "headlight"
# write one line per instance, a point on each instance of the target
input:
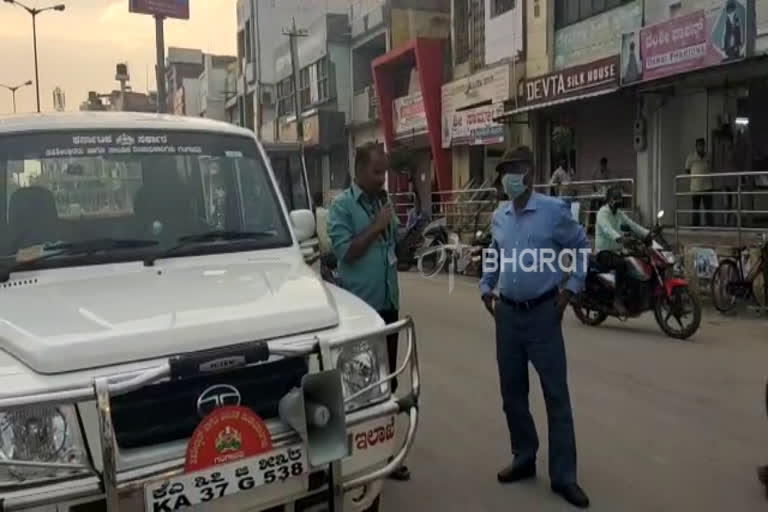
(669, 256)
(362, 364)
(37, 436)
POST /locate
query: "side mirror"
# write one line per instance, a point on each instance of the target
(303, 224)
(660, 215)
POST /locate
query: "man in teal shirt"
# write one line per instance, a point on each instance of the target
(609, 241)
(363, 228)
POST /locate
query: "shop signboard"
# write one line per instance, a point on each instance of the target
(474, 127)
(597, 36)
(572, 82)
(165, 8)
(410, 118)
(686, 43)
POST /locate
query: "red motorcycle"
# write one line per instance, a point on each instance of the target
(654, 283)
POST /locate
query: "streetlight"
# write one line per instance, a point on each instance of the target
(34, 12)
(13, 89)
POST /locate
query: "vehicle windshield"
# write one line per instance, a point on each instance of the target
(72, 188)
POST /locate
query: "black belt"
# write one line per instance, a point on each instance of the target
(528, 305)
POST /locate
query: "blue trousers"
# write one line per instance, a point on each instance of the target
(536, 336)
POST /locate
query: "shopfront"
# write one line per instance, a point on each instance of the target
(470, 132)
(702, 86)
(408, 82)
(579, 117)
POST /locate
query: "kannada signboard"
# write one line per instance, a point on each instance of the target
(166, 8)
(575, 81)
(474, 127)
(687, 43)
(410, 118)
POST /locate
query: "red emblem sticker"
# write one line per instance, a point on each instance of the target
(226, 435)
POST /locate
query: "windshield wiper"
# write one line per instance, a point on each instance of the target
(204, 238)
(58, 249)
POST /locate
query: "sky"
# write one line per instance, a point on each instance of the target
(78, 48)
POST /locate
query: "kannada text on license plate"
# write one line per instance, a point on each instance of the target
(224, 480)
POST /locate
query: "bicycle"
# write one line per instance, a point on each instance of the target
(729, 284)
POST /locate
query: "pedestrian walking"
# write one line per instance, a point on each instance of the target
(363, 229)
(528, 313)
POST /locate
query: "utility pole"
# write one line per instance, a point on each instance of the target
(162, 100)
(292, 34)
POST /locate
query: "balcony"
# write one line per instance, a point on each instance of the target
(365, 107)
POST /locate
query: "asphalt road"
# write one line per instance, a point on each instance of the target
(661, 425)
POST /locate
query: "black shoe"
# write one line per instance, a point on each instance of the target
(516, 472)
(573, 494)
(401, 474)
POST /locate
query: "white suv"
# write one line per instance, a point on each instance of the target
(153, 292)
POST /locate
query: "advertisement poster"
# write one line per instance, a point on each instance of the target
(410, 118)
(166, 8)
(474, 127)
(687, 43)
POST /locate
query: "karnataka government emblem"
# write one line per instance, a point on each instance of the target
(228, 440)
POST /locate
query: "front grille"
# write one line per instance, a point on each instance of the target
(168, 412)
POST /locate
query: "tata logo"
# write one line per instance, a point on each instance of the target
(217, 396)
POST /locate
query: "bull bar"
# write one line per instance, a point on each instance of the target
(111, 482)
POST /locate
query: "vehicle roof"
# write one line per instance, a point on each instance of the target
(67, 121)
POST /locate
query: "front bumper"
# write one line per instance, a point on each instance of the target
(122, 490)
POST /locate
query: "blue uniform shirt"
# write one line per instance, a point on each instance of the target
(372, 277)
(545, 223)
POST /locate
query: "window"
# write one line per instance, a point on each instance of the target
(461, 30)
(305, 95)
(499, 7)
(323, 82)
(155, 187)
(568, 12)
(478, 33)
(285, 97)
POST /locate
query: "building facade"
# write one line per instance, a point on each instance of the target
(215, 90)
(183, 64)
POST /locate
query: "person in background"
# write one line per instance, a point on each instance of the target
(528, 312)
(697, 163)
(599, 189)
(560, 179)
(609, 242)
(363, 230)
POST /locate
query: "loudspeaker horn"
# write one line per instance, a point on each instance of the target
(316, 412)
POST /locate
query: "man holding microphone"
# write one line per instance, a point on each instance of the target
(363, 230)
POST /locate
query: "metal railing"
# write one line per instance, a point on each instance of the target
(738, 204)
(112, 483)
(467, 210)
(590, 194)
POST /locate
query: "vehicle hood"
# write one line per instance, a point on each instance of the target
(73, 319)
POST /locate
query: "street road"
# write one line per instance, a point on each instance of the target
(661, 425)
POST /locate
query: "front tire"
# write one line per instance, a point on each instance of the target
(590, 317)
(680, 304)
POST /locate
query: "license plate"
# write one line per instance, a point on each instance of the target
(225, 480)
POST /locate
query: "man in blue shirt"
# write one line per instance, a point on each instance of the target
(363, 231)
(529, 232)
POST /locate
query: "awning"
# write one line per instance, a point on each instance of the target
(527, 108)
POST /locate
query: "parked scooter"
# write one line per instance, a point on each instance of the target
(652, 285)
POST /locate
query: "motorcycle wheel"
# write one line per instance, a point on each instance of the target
(431, 262)
(681, 304)
(590, 317)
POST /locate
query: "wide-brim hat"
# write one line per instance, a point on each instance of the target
(520, 154)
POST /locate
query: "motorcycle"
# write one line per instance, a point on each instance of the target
(654, 284)
(481, 242)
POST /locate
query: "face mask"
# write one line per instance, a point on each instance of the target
(514, 185)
